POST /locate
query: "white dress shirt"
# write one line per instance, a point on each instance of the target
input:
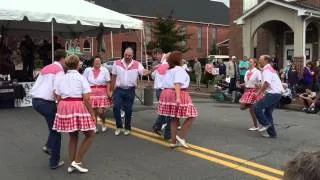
(127, 75)
(252, 80)
(73, 84)
(46, 83)
(272, 78)
(176, 75)
(102, 79)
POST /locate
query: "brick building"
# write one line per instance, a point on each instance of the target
(206, 21)
(285, 29)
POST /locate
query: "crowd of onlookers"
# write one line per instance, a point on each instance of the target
(305, 86)
(300, 88)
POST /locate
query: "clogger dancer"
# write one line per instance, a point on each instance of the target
(99, 80)
(175, 100)
(125, 74)
(75, 113)
(44, 102)
(252, 80)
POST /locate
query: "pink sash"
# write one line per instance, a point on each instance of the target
(96, 73)
(269, 68)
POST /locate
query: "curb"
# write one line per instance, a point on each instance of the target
(292, 107)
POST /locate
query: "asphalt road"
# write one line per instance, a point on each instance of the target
(221, 147)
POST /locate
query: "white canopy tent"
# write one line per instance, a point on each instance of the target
(68, 18)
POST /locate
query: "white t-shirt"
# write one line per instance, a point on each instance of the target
(176, 75)
(73, 84)
(46, 82)
(102, 79)
(252, 78)
(272, 78)
(158, 75)
(127, 75)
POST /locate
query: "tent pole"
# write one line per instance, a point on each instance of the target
(111, 41)
(52, 41)
(92, 46)
(145, 50)
(141, 45)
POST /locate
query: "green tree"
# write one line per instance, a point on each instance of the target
(168, 36)
(213, 49)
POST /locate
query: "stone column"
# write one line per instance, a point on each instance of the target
(299, 44)
(247, 40)
(318, 28)
(299, 64)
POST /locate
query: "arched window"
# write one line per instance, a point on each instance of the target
(86, 46)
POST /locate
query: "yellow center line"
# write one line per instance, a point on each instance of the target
(219, 154)
(199, 155)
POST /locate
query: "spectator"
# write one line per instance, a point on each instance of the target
(315, 106)
(208, 73)
(198, 72)
(27, 53)
(317, 78)
(282, 75)
(243, 68)
(56, 43)
(286, 70)
(43, 52)
(222, 68)
(308, 76)
(305, 166)
(286, 96)
(308, 98)
(232, 72)
(293, 77)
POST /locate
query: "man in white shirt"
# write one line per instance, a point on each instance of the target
(125, 73)
(44, 102)
(158, 74)
(272, 87)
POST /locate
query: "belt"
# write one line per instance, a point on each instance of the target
(181, 89)
(72, 99)
(40, 99)
(126, 87)
(99, 86)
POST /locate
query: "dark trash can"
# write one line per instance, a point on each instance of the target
(148, 96)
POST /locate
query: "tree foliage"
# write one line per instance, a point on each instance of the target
(168, 36)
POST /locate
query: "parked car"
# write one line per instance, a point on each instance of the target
(109, 63)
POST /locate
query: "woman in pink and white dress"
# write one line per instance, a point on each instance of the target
(99, 80)
(175, 100)
(252, 80)
(74, 112)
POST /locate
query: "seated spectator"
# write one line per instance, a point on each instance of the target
(305, 166)
(286, 96)
(315, 106)
(308, 98)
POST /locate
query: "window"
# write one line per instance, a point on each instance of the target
(214, 35)
(66, 45)
(199, 36)
(289, 37)
(148, 32)
(184, 31)
(86, 46)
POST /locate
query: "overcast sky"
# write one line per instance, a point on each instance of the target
(224, 1)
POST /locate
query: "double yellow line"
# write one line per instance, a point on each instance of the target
(233, 162)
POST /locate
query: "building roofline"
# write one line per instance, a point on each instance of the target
(300, 11)
(180, 20)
